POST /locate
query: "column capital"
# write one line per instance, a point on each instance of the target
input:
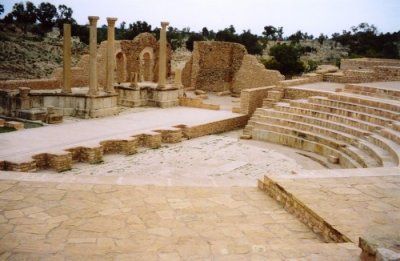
(164, 24)
(93, 19)
(111, 20)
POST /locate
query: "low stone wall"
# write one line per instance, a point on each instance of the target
(251, 99)
(197, 103)
(387, 73)
(213, 127)
(366, 63)
(306, 215)
(311, 78)
(297, 93)
(375, 73)
(34, 84)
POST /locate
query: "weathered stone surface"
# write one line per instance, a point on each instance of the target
(222, 66)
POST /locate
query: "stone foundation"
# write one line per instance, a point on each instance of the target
(147, 95)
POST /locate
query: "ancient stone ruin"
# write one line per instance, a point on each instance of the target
(223, 160)
(222, 66)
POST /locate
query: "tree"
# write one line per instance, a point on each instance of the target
(296, 37)
(272, 33)
(46, 14)
(286, 59)
(205, 32)
(365, 41)
(1, 9)
(8, 19)
(175, 38)
(193, 38)
(250, 41)
(321, 38)
(227, 35)
(64, 16)
(134, 29)
(24, 15)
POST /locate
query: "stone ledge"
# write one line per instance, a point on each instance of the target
(93, 153)
(302, 212)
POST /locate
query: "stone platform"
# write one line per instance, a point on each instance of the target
(87, 140)
(47, 221)
(360, 206)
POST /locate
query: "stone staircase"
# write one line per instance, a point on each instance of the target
(352, 130)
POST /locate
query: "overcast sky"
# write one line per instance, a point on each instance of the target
(312, 16)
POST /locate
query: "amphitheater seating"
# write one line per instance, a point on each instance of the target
(373, 91)
(358, 130)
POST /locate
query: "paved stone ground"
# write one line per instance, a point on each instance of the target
(213, 160)
(83, 222)
(25, 143)
(359, 203)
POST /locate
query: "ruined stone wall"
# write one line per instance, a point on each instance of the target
(187, 73)
(34, 84)
(215, 64)
(387, 73)
(130, 51)
(253, 74)
(367, 63)
(223, 66)
(251, 99)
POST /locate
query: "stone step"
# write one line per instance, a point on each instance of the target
(306, 145)
(284, 107)
(340, 111)
(373, 91)
(355, 107)
(368, 101)
(316, 121)
(319, 135)
(382, 156)
(391, 134)
(390, 146)
(379, 156)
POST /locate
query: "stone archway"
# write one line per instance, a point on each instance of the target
(147, 64)
(120, 67)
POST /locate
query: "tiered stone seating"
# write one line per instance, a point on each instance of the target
(373, 91)
(356, 130)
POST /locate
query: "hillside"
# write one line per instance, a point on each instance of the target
(28, 56)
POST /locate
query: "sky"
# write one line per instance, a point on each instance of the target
(312, 16)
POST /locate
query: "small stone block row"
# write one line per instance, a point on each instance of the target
(173, 135)
(14, 124)
(63, 160)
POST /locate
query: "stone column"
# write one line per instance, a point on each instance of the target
(162, 61)
(93, 55)
(110, 55)
(24, 98)
(66, 88)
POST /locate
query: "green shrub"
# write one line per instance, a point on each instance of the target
(311, 66)
(285, 59)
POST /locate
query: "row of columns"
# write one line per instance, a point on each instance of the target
(110, 61)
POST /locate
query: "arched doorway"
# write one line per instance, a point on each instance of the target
(147, 63)
(120, 67)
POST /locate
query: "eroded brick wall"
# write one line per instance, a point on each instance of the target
(222, 66)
